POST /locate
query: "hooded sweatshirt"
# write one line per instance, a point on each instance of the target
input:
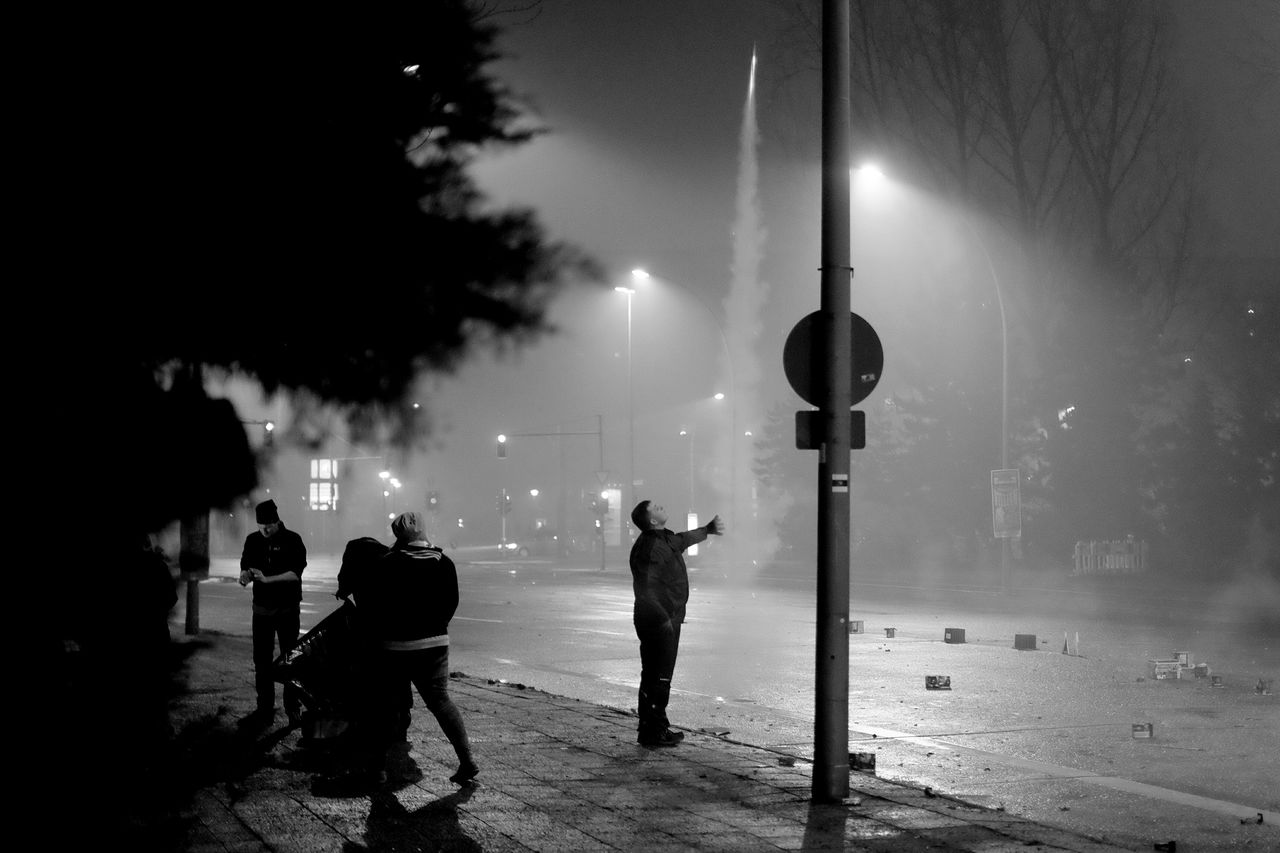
(409, 597)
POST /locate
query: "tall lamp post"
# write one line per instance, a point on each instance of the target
(1005, 584)
(641, 275)
(636, 277)
(1005, 580)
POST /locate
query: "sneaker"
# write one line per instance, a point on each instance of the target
(663, 738)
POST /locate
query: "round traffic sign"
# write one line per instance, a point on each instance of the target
(802, 359)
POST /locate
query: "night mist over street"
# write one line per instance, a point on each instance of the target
(731, 424)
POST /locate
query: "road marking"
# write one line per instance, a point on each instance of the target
(1057, 770)
(478, 619)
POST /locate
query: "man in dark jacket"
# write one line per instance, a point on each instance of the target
(273, 561)
(661, 584)
(406, 601)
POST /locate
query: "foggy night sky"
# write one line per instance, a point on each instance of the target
(643, 101)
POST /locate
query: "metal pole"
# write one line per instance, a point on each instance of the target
(1005, 580)
(600, 440)
(562, 534)
(831, 694)
(631, 426)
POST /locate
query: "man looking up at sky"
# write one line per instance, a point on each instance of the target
(661, 584)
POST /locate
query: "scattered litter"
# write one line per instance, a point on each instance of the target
(1144, 730)
(1064, 808)
(715, 732)
(1257, 819)
(928, 792)
(1170, 846)
(787, 761)
(1264, 687)
(864, 761)
(937, 682)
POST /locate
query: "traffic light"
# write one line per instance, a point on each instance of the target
(502, 447)
(504, 503)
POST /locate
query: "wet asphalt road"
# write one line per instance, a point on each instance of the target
(1041, 733)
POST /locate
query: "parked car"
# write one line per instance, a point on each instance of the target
(539, 543)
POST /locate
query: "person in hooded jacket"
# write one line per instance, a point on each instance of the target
(406, 602)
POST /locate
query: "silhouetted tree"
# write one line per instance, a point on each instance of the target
(304, 216)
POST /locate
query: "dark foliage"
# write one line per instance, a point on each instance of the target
(288, 198)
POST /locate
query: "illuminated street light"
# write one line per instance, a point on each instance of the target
(875, 177)
(637, 276)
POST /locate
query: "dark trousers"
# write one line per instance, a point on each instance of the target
(428, 671)
(659, 645)
(267, 630)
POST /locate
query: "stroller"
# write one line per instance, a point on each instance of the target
(327, 665)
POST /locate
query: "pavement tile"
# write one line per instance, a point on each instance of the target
(563, 775)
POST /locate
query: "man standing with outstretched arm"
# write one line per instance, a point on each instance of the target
(661, 583)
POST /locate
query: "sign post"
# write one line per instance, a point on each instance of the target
(1006, 504)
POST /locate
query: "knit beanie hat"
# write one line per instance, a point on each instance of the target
(267, 513)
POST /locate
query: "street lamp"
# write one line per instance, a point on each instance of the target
(872, 174)
(688, 433)
(641, 275)
(637, 276)
(1004, 393)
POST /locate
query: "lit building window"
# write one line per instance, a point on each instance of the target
(323, 489)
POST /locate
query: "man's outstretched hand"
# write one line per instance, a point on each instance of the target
(716, 526)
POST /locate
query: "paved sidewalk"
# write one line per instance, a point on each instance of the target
(556, 774)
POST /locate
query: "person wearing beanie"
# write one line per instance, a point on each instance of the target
(407, 601)
(660, 581)
(273, 560)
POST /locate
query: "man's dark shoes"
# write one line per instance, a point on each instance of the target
(663, 738)
(465, 774)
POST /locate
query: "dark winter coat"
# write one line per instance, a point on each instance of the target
(283, 552)
(659, 577)
(410, 594)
